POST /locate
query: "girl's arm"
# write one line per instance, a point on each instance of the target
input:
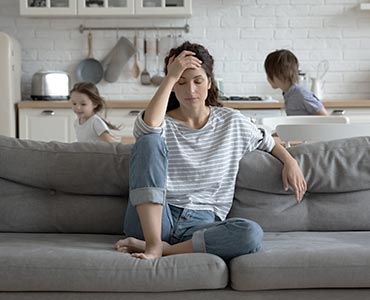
(106, 137)
(292, 174)
(156, 109)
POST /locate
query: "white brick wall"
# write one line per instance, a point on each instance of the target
(238, 33)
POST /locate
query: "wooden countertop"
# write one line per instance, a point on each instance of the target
(233, 104)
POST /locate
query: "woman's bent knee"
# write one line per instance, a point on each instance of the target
(148, 164)
(251, 238)
(231, 238)
(150, 142)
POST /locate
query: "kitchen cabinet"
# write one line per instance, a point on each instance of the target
(365, 6)
(105, 8)
(45, 124)
(256, 114)
(355, 115)
(163, 7)
(123, 118)
(134, 8)
(50, 123)
(48, 7)
(53, 120)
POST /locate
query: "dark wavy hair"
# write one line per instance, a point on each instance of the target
(207, 64)
(91, 91)
(282, 64)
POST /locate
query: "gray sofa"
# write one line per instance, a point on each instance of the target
(62, 208)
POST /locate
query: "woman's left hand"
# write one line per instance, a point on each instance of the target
(292, 177)
(292, 174)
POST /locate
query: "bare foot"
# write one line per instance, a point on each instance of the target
(150, 252)
(130, 245)
(137, 248)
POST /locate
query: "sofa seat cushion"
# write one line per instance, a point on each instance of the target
(299, 260)
(89, 263)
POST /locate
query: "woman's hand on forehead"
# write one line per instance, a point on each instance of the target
(185, 60)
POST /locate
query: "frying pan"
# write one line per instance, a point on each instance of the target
(89, 69)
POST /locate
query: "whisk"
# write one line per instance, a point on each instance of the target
(322, 69)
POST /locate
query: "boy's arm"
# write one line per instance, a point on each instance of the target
(322, 112)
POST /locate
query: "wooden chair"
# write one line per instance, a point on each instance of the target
(320, 132)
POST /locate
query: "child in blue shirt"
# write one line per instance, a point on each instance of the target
(281, 67)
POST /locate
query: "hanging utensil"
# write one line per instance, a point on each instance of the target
(89, 69)
(145, 76)
(135, 67)
(121, 54)
(322, 69)
(157, 78)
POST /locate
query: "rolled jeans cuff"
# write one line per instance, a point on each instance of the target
(199, 244)
(147, 195)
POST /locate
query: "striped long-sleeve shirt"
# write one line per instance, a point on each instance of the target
(203, 163)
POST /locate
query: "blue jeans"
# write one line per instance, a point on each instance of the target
(148, 173)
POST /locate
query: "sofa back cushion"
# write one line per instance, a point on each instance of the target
(338, 193)
(61, 187)
(82, 168)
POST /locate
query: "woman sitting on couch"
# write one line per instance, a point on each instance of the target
(184, 166)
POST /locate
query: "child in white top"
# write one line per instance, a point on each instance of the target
(281, 67)
(86, 103)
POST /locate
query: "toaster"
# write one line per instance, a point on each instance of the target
(50, 85)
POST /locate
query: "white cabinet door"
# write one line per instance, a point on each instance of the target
(47, 124)
(355, 115)
(106, 7)
(164, 8)
(256, 114)
(124, 118)
(48, 7)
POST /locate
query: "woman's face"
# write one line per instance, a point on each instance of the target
(192, 87)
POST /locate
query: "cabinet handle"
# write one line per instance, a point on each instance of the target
(48, 112)
(134, 112)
